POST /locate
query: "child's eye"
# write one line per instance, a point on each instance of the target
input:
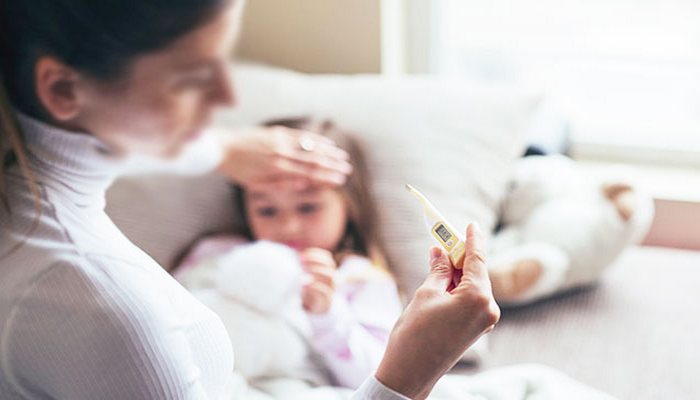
(308, 208)
(266, 212)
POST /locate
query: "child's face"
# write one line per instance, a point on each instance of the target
(314, 217)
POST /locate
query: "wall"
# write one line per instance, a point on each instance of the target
(676, 224)
(315, 36)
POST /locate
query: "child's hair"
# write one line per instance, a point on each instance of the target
(362, 234)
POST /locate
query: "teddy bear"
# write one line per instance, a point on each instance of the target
(560, 230)
(254, 289)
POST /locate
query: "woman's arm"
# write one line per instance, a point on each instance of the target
(256, 156)
(81, 337)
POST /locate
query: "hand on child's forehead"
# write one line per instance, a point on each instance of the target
(285, 193)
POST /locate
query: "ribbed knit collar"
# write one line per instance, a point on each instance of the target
(82, 165)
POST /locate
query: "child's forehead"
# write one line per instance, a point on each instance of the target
(286, 193)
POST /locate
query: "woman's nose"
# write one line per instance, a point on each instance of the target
(224, 92)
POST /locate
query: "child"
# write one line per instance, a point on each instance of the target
(348, 294)
(308, 283)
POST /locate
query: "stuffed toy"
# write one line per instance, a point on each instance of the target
(560, 230)
(255, 291)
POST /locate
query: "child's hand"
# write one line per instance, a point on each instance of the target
(317, 294)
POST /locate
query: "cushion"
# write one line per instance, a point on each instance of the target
(165, 214)
(453, 139)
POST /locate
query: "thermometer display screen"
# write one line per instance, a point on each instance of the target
(444, 234)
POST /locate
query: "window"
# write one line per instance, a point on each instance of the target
(626, 73)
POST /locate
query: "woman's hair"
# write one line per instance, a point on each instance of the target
(98, 38)
(362, 235)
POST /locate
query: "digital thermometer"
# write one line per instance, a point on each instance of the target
(441, 230)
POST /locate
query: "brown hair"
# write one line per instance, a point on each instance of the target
(12, 149)
(12, 152)
(362, 235)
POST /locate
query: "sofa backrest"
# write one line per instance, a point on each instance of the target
(454, 140)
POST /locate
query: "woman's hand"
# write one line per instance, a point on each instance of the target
(283, 156)
(438, 326)
(317, 294)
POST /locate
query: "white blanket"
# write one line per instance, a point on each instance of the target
(275, 361)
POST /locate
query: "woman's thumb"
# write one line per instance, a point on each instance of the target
(441, 270)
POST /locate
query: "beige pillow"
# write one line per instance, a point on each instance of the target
(164, 214)
(454, 140)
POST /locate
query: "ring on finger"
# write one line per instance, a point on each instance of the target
(306, 143)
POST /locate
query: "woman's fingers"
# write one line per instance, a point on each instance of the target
(322, 155)
(299, 133)
(474, 259)
(325, 172)
(322, 160)
(441, 271)
(303, 153)
(273, 156)
(475, 285)
(315, 166)
(288, 175)
(445, 277)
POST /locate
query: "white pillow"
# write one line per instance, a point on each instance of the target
(452, 139)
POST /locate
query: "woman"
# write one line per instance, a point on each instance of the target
(84, 314)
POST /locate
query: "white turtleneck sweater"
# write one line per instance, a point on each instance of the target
(85, 314)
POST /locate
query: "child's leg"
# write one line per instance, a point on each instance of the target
(511, 276)
(514, 280)
(527, 272)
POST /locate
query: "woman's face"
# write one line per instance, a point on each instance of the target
(314, 217)
(168, 97)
